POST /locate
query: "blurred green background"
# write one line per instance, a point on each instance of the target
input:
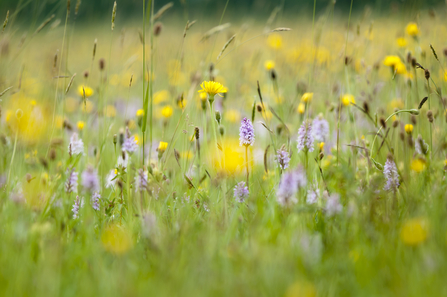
(90, 10)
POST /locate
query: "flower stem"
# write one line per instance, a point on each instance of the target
(246, 166)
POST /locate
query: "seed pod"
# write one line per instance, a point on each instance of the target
(273, 74)
(413, 120)
(102, 64)
(366, 107)
(413, 62)
(259, 107)
(86, 73)
(383, 123)
(402, 136)
(427, 74)
(395, 123)
(430, 116)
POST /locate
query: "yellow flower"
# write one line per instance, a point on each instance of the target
(88, 106)
(347, 99)
(307, 97)
(412, 29)
(321, 145)
(274, 41)
(269, 65)
(232, 116)
(409, 128)
(391, 61)
(202, 96)
(401, 42)
(110, 111)
(212, 88)
(162, 146)
(301, 289)
(181, 103)
(80, 125)
(231, 159)
(88, 91)
(167, 111)
(140, 113)
(160, 96)
(301, 108)
(33, 102)
(417, 165)
(116, 239)
(136, 139)
(414, 231)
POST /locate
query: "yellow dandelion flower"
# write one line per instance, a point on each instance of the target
(202, 96)
(181, 103)
(212, 88)
(33, 102)
(80, 125)
(321, 145)
(88, 91)
(136, 138)
(162, 146)
(116, 239)
(160, 96)
(269, 65)
(401, 42)
(417, 165)
(412, 29)
(414, 231)
(347, 99)
(167, 111)
(307, 97)
(391, 61)
(274, 41)
(140, 113)
(409, 128)
(301, 108)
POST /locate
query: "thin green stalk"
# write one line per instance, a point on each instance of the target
(13, 154)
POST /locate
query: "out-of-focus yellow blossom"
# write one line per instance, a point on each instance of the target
(212, 88)
(88, 106)
(301, 289)
(414, 231)
(59, 121)
(269, 65)
(401, 42)
(116, 239)
(321, 145)
(33, 102)
(88, 91)
(327, 161)
(167, 111)
(160, 96)
(412, 29)
(301, 108)
(181, 103)
(80, 125)
(186, 155)
(162, 146)
(232, 116)
(202, 96)
(140, 113)
(136, 138)
(231, 159)
(307, 97)
(417, 165)
(71, 104)
(347, 99)
(274, 41)
(409, 128)
(131, 124)
(110, 111)
(396, 103)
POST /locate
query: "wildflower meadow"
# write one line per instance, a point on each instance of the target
(223, 148)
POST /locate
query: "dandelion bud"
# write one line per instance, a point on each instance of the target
(86, 74)
(409, 57)
(402, 136)
(259, 107)
(427, 74)
(222, 131)
(410, 141)
(395, 123)
(413, 62)
(321, 155)
(115, 139)
(218, 116)
(279, 129)
(102, 64)
(347, 60)
(121, 136)
(413, 120)
(383, 123)
(157, 28)
(273, 74)
(67, 125)
(430, 116)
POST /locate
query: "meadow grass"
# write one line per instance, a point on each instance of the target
(311, 164)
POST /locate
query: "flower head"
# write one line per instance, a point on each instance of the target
(288, 187)
(269, 65)
(76, 145)
(95, 200)
(333, 205)
(305, 137)
(84, 90)
(307, 97)
(320, 129)
(90, 180)
(212, 88)
(241, 192)
(141, 183)
(414, 231)
(283, 158)
(412, 29)
(246, 133)
(71, 185)
(391, 175)
(347, 99)
(129, 144)
(312, 195)
(78, 203)
(409, 128)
